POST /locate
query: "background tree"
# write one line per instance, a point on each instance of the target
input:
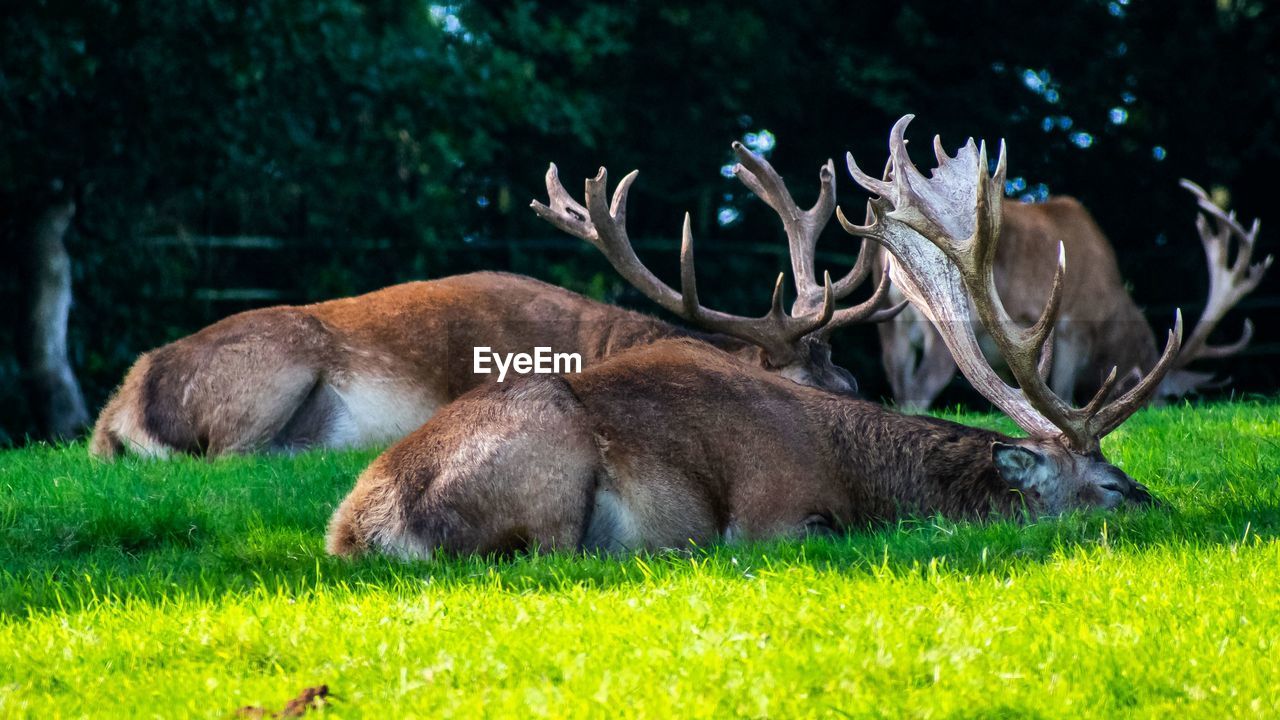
(223, 155)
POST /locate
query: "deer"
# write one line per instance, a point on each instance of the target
(678, 442)
(1100, 326)
(366, 370)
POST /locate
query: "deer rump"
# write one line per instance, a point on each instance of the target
(273, 379)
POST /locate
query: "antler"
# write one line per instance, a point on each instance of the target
(777, 332)
(942, 232)
(802, 228)
(1228, 283)
(605, 228)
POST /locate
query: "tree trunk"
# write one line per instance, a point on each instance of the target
(53, 392)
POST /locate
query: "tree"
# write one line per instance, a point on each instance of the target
(381, 141)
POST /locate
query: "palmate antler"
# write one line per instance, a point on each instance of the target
(1228, 281)
(603, 224)
(942, 232)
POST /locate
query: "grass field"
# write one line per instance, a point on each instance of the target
(186, 588)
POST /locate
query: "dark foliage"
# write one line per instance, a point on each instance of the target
(356, 144)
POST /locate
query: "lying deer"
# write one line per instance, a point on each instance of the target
(367, 370)
(679, 442)
(1099, 326)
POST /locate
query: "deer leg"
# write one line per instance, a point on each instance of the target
(935, 372)
(234, 387)
(918, 364)
(121, 426)
(897, 352)
(242, 385)
(170, 402)
(1069, 360)
(314, 421)
(253, 414)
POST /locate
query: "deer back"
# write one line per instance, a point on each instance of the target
(353, 371)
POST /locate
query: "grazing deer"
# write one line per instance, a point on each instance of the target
(679, 442)
(367, 370)
(1100, 326)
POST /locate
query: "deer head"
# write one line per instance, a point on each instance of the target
(941, 232)
(795, 344)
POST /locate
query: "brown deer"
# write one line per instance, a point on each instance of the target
(367, 370)
(678, 442)
(1100, 326)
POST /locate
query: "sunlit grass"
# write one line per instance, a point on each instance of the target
(191, 588)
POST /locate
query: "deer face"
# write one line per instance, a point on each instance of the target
(1054, 479)
(811, 365)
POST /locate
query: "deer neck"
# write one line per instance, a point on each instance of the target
(627, 329)
(895, 465)
(741, 349)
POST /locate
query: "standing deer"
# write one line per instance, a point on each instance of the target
(367, 370)
(678, 442)
(1099, 326)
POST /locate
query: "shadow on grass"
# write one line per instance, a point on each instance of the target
(291, 562)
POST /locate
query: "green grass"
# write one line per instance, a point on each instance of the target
(186, 588)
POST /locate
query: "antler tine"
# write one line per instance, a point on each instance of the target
(1217, 352)
(608, 221)
(1229, 282)
(688, 275)
(859, 272)
(869, 310)
(1113, 414)
(776, 331)
(602, 222)
(943, 232)
(801, 226)
(565, 212)
(1095, 403)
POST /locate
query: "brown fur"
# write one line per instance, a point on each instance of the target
(355, 371)
(1100, 326)
(678, 442)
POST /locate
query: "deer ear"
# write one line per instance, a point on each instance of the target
(1015, 464)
